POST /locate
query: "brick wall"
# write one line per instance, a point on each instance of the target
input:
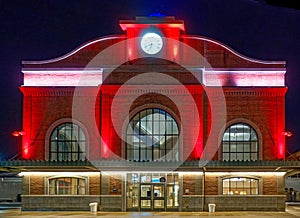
(211, 185)
(37, 185)
(260, 106)
(94, 185)
(270, 185)
(115, 185)
(44, 106)
(189, 183)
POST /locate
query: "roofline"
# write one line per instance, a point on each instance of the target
(232, 50)
(166, 21)
(124, 37)
(75, 50)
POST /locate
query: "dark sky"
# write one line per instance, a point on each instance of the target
(44, 29)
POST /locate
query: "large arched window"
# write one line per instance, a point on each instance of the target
(240, 142)
(67, 186)
(240, 186)
(152, 134)
(67, 142)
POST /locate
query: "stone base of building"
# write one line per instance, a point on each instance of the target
(70, 203)
(188, 203)
(247, 203)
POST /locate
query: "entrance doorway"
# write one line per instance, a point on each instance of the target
(152, 197)
(152, 192)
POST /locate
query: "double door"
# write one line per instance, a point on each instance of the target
(152, 192)
(152, 197)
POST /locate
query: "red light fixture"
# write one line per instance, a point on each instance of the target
(287, 133)
(18, 133)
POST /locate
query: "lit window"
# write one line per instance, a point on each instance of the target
(240, 142)
(67, 186)
(240, 186)
(67, 142)
(152, 134)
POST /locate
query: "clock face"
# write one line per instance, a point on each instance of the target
(151, 43)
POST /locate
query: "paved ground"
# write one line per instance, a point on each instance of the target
(291, 212)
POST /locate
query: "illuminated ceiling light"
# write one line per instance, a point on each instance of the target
(240, 174)
(67, 174)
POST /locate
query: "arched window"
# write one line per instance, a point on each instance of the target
(240, 186)
(67, 142)
(240, 142)
(67, 186)
(152, 134)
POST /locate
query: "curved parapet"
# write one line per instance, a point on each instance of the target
(228, 66)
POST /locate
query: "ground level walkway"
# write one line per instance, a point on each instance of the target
(291, 211)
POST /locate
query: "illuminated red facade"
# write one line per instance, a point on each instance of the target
(208, 89)
(254, 90)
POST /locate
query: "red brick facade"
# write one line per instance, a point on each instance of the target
(253, 90)
(204, 85)
(263, 108)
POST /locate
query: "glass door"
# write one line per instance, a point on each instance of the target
(152, 197)
(152, 192)
(146, 197)
(133, 197)
(132, 192)
(159, 197)
(172, 196)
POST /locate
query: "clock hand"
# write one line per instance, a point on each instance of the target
(148, 45)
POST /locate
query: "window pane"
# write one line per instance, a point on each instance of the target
(68, 141)
(67, 186)
(171, 141)
(240, 142)
(82, 146)
(253, 135)
(82, 156)
(247, 156)
(226, 136)
(169, 127)
(225, 147)
(233, 156)
(156, 127)
(253, 146)
(240, 147)
(233, 147)
(226, 156)
(74, 147)
(53, 146)
(60, 156)
(246, 147)
(156, 154)
(254, 156)
(53, 156)
(52, 187)
(54, 135)
(175, 128)
(75, 156)
(226, 183)
(240, 186)
(240, 156)
(157, 135)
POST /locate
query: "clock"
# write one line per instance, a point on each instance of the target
(151, 43)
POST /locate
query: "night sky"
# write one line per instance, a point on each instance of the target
(44, 29)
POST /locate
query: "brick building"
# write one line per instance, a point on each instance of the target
(153, 119)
